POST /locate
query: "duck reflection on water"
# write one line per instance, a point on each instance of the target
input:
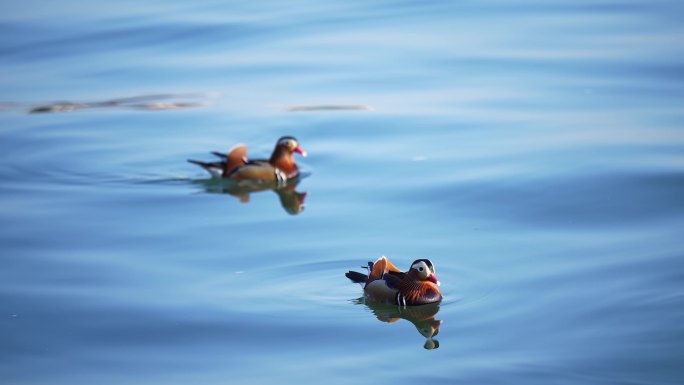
(291, 200)
(422, 317)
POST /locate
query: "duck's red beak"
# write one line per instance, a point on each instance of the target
(433, 278)
(300, 151)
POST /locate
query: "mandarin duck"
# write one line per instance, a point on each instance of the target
(235, 165)
(387, 284)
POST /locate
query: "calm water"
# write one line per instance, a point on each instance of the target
(534, 151)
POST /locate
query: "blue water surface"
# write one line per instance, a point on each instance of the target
(534, 151)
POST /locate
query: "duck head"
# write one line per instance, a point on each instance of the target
(282, 158)
(423, 270)
(286, 146)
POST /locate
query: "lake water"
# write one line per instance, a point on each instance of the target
(534, 151)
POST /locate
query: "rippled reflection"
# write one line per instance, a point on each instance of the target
(155, 102)
(290, 199)
(422, 317)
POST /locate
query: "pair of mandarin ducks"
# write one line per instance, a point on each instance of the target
(384, 282)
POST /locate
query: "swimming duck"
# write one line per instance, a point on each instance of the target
(386, 283)
(235, 165)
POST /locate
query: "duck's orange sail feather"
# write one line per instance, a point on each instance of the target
(381, 267)
(237, 157)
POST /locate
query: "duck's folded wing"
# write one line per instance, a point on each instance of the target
(254, 172)
(392, 279)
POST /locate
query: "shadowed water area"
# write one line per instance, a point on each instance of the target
(533, 151)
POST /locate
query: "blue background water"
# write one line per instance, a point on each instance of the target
(533, 150)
